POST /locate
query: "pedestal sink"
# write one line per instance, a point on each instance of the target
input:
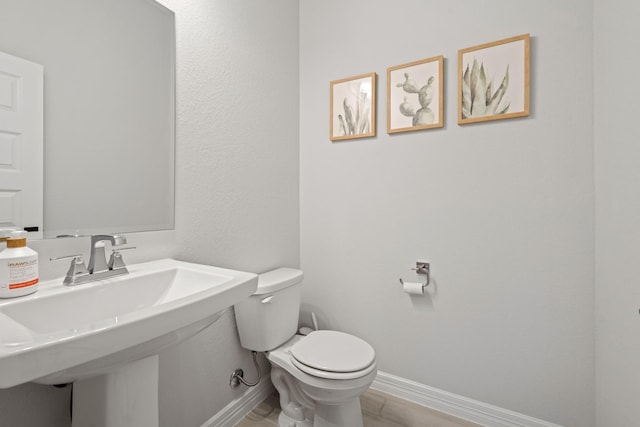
(105, 336)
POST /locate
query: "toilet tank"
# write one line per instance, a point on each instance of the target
(269, 317)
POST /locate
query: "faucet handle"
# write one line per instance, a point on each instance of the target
(116, 261)
(76, 268)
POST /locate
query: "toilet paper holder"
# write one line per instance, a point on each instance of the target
(422, 268)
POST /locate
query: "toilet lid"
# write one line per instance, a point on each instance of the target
(333, 351)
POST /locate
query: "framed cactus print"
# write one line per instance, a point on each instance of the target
(353, 107)
(493, 80)
(415, 96)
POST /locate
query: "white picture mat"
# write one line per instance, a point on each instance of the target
(495, 60)
(420, 73)
(350, 90)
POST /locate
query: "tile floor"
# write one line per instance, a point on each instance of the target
(378, 409)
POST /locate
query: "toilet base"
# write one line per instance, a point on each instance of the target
(347, 414)
(286, 421)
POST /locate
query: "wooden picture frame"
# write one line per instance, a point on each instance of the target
(353, 107)
(415, 95)
(493, 80)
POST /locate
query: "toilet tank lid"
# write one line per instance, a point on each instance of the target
(277, 279)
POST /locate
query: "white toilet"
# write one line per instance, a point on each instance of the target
(320, 376)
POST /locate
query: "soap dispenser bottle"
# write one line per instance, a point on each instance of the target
(18, 267)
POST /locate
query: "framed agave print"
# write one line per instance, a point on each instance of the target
(415, 95)
(353, 107)
(493, 80)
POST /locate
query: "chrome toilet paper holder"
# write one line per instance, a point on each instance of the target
(422, 268)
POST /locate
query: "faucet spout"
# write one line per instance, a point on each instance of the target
(119, 240)
(97, 257)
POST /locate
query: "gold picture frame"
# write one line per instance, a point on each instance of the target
(415, 95)
(353, 107)
(493, 80)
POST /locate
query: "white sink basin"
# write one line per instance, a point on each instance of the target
(64, 333)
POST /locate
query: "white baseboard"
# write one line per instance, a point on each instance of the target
(439, 400)
(452, 404)
(241, 406)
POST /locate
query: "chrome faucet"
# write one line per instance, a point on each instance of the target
(97, 258)
(98, 267)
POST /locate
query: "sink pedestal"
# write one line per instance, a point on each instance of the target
(127, 396)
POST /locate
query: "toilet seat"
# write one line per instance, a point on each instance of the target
(333, 355)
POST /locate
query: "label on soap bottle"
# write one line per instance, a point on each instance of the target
(18, 276)
(22, 273)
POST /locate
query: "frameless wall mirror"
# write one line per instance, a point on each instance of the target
(109, 110)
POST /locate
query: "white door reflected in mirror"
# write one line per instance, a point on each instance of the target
(21, 139)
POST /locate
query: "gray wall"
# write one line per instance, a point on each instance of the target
(503, 210)
(237, 192)
(237, 174)
(617, 212)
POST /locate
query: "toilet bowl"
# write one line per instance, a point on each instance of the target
(325, 383)
(320, 376)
